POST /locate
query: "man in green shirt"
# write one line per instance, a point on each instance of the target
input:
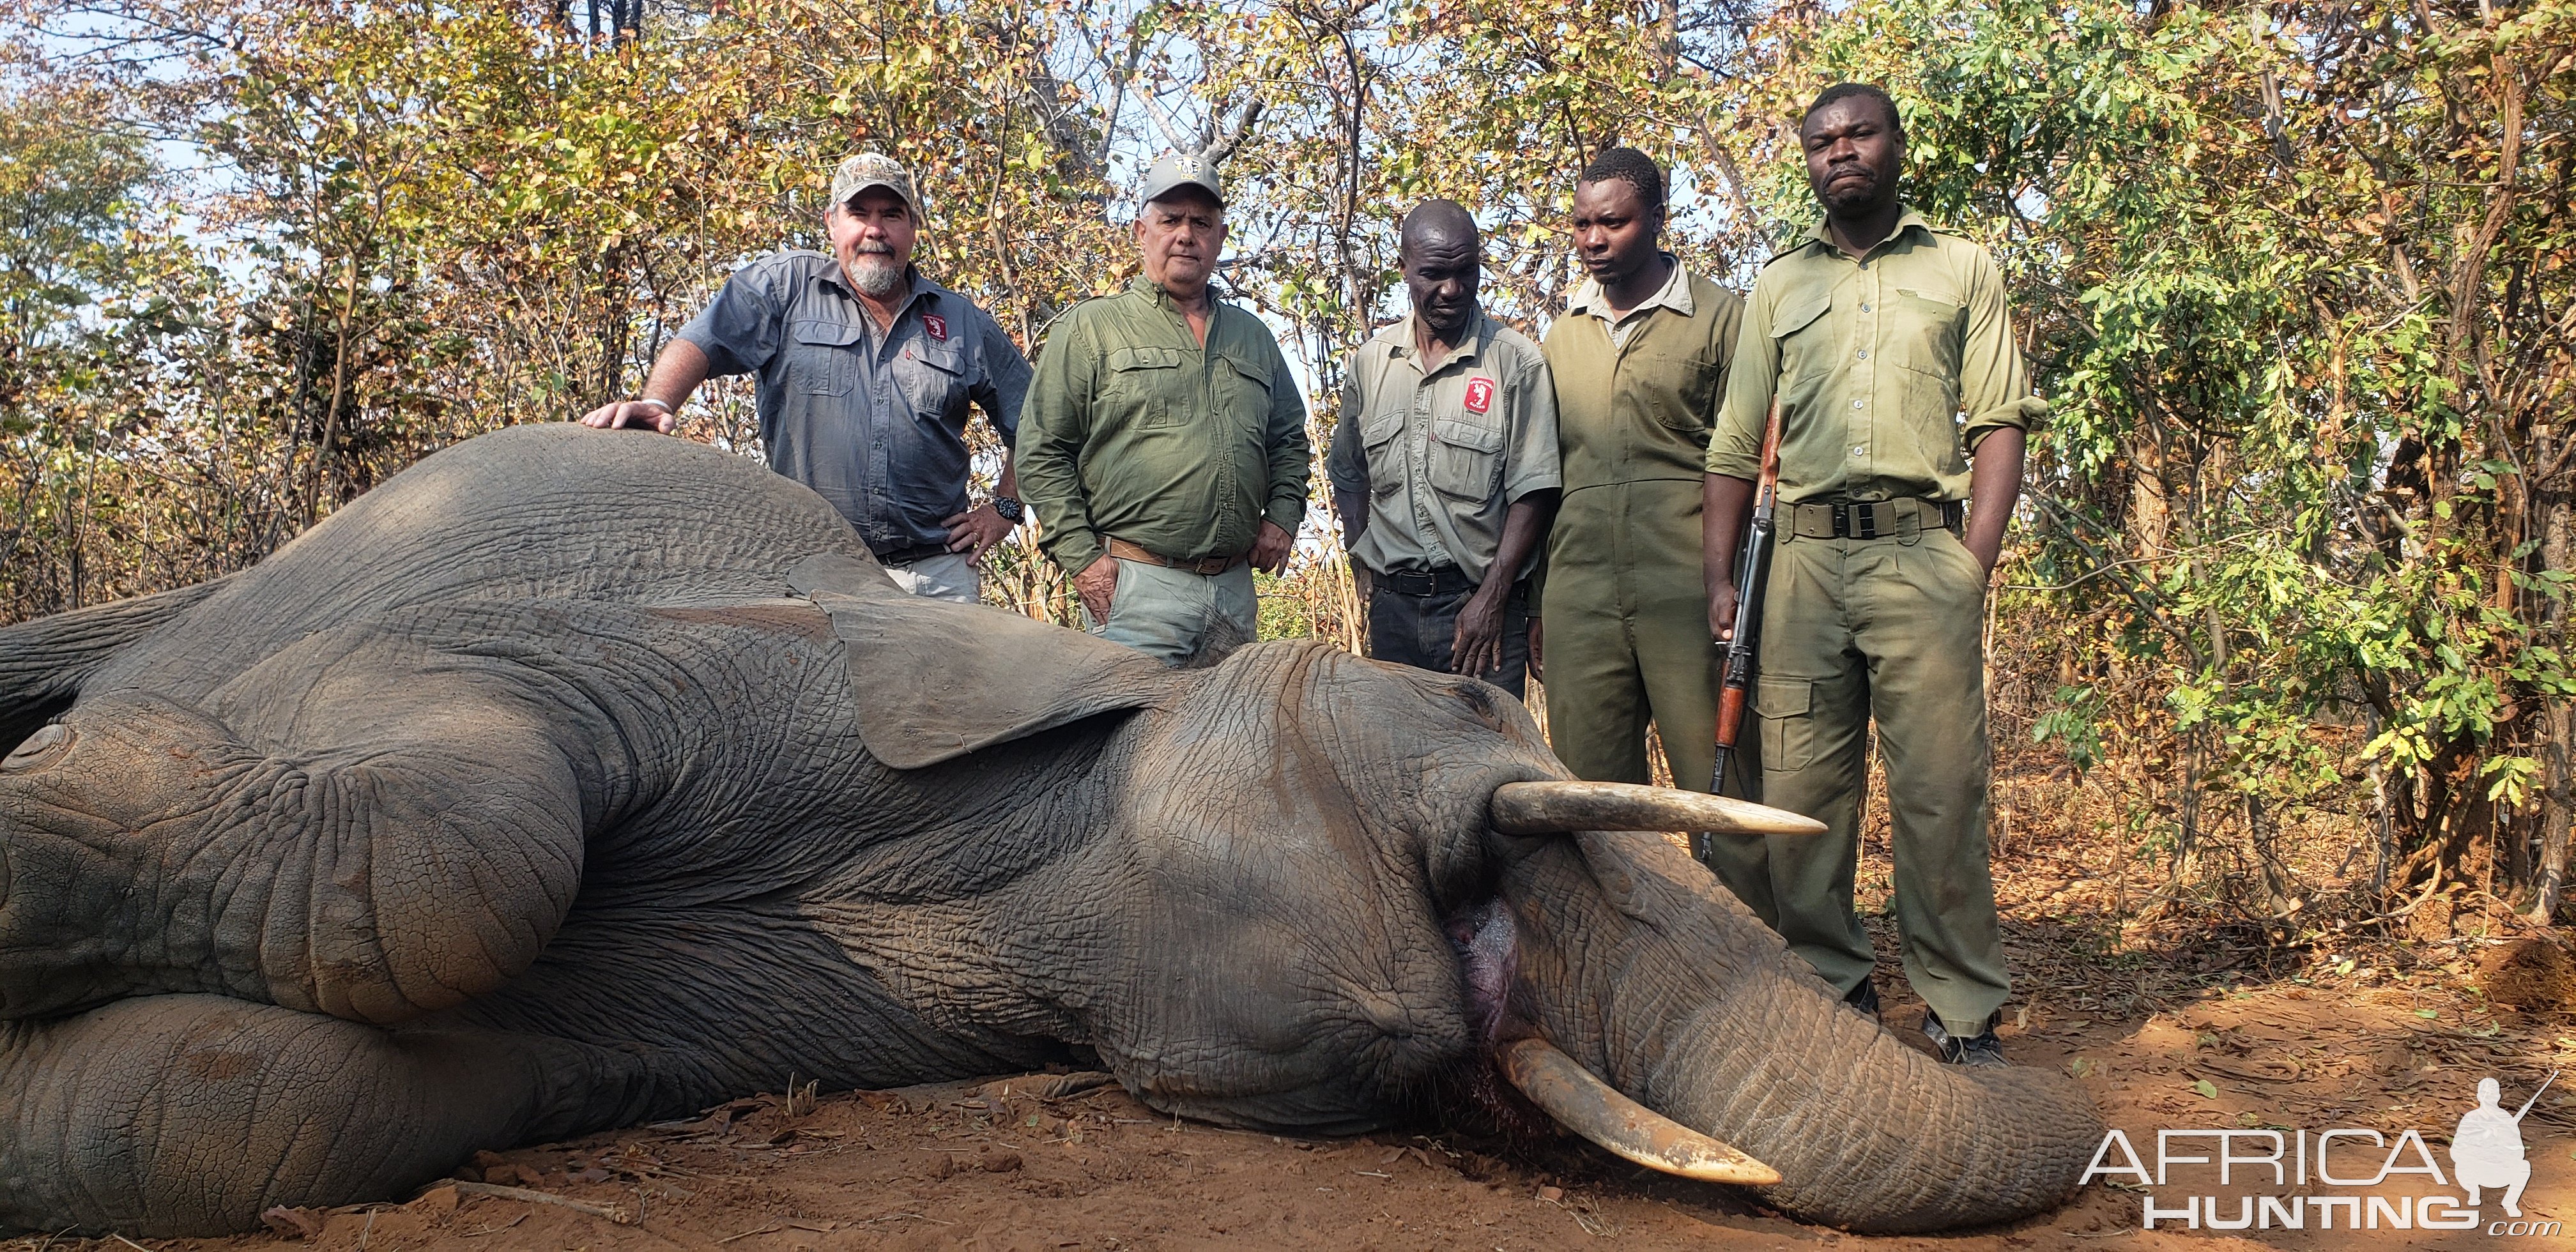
(1876, 333)
(1640, 360)
(1163, 445)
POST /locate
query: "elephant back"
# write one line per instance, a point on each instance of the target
(554, 513)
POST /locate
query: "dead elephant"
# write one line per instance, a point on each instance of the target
(572, 779)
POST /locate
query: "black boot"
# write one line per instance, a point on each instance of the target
(1864, 999)
(1982, 1052)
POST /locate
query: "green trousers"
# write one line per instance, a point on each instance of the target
(1886, 628)
(1626, 644)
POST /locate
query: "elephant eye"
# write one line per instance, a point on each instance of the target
(40, 747)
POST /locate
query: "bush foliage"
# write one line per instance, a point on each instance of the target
(2296, 280)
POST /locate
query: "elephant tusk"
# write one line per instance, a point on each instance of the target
(1549, 808)
(1589, 1107)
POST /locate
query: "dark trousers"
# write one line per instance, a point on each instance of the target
(1413, 620)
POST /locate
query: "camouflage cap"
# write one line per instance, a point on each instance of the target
(874, 169)
(1172, 171)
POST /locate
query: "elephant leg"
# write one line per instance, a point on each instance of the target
(190, 1114)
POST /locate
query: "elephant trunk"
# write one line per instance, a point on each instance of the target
(1633, 961)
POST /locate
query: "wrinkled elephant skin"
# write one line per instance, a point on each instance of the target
(573, 779)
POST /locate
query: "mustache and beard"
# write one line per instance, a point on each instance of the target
(878, 273)
(1852, 195)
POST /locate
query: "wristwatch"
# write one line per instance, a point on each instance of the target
(1010, 508)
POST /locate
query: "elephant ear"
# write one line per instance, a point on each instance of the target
(44, 662)
(937, 680)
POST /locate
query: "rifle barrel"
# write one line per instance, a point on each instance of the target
(2535, 1096)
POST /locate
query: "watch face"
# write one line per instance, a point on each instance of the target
(1009, 508)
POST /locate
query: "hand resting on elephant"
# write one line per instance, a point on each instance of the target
(460, 822)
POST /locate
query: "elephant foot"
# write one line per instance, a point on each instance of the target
(191, 1114)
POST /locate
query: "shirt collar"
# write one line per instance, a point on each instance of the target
(1675, 294)
(1908, 220)
(1401, 337)
(1153, 291)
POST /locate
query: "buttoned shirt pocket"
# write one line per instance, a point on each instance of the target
(1927, 332)
(1466, 457)
(1785, 706)
(1141, 381)
(1386, 467)
(1804, 336)
(1243, 392)
(822, 357)
(933, 378)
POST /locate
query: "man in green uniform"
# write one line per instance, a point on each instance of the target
(1163, 445)
(1876, 333)
(1640, 362)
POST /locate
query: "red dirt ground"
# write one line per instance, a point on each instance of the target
(2180, 1028)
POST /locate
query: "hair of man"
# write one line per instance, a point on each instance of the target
(1632, 167)
(1865, 91)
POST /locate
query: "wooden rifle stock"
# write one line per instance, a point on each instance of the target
(1752, 577)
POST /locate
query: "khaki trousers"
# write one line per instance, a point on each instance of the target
(1171, 614)
(1626, 638)
(1886, 628)
(950, 577)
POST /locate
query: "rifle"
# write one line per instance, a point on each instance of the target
(2535, 1096)
(1752, 576)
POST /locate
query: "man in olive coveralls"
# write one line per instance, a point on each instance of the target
(1877, 333)
(1640, 362)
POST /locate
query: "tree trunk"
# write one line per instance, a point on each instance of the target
(2558, 802)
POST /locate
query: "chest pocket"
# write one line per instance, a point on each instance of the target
(1804, 336)
(1243, 388)
(1930, 327)
(823, 357)
(1466, 456)
(1385, 460)
(933, 378)
(1143, 381)
(1692, 400)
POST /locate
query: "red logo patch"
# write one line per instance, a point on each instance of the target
(936, 325)
(1480, 394)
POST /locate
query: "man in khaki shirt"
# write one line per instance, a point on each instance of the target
(1444, 464)
(1640, 362)
(1877, 333)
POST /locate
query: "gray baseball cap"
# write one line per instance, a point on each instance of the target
(1172, 171)
(874, 169)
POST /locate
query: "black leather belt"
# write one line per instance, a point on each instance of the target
(907, 556)
(1445, 580)
(1903, 517)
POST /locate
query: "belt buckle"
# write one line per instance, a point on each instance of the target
(1865, 519)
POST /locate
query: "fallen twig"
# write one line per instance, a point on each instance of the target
(499, 1192)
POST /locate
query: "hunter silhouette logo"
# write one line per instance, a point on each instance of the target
(2486, 1151)
(2487, 1156)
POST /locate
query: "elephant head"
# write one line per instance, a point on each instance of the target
(1337, 891)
